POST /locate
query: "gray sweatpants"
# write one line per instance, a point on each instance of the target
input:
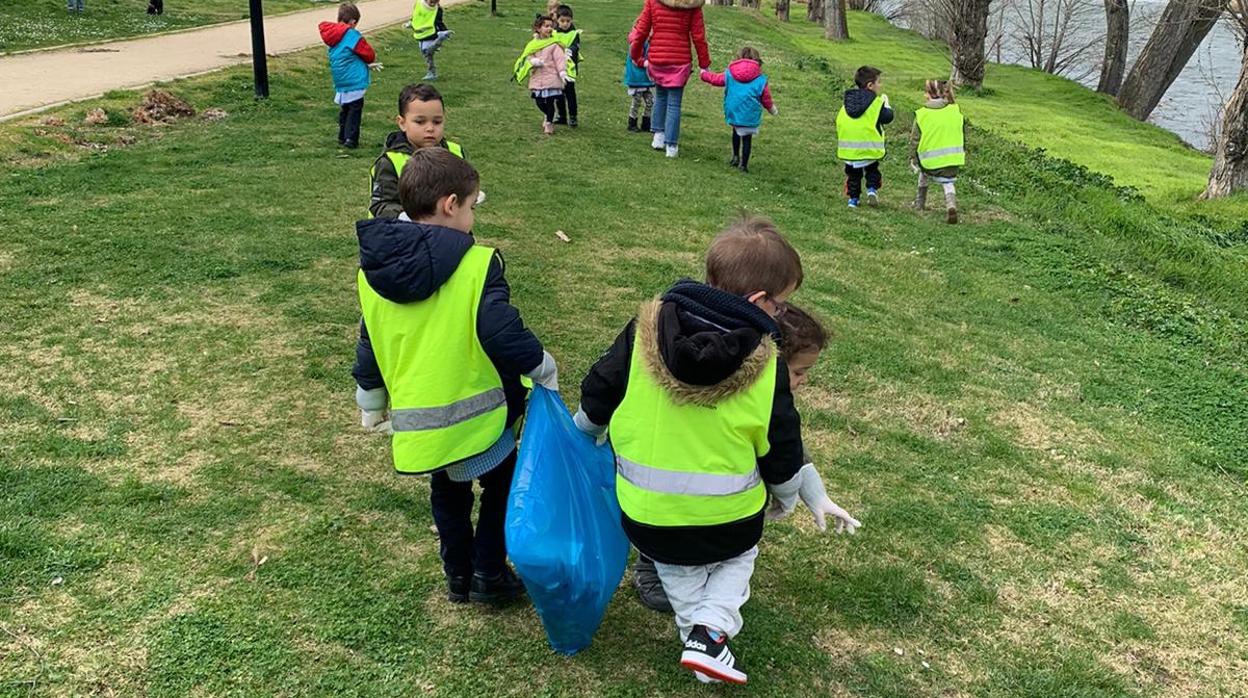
(709, 595)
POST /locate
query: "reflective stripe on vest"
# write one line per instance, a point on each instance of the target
(423, 19)
(940, 137)
(446, 397)
(682, 464)
(860, 138)
(399, 159)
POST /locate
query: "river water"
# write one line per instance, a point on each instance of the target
(1192, 104)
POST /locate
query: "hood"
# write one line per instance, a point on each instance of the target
(332, 32)
(397, 140)
(857, 101)
(682, 4)
(704, 345)
(406, 262)
(745, 70)
(937, 103)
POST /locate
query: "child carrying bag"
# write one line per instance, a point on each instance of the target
(563, 524)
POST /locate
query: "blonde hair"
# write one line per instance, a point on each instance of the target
(939, 89)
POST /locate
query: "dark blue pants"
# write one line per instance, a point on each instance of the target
(464, 551)
(349, 122)
(854, 175)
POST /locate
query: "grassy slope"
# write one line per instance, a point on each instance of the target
(1038, 415)
(28, 24)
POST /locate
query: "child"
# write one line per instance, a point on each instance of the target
(442, 350)
(700, 417)
(544, 63)
(349, 57)
(430, 31)
(640, 91)
(938, 145)
(421, 120)
(570, 39)
(746, 94)
(860, 135)
(75, 6)
(802, 340)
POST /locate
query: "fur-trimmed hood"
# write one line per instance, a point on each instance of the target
(703, 345)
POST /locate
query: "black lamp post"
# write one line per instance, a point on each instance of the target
(259, 61)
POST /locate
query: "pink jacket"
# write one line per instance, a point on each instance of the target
(743, 70)
(548, 76)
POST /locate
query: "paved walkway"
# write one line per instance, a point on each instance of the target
(51, 78)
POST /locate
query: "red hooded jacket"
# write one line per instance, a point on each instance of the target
(332, 33)
(670, 25)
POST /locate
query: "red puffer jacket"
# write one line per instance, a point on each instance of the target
(670, 25)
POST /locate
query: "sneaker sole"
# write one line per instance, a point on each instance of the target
(696, 661)
(457, 598)
(873, 201)
(494, 598)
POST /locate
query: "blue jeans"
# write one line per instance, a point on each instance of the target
(667, 113)
(74, 5)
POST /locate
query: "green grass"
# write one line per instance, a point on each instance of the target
(26, 24)
(1037, 415)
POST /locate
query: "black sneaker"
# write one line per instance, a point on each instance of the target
(573, 122)
(745, 169)
(709, 658)
(560, 121)
(632, 124)
(502, 587)
(649, 588)
(734, 162)
(457, 588)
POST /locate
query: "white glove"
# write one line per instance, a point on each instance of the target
(536, 62)
(376, 67)
(582, 422)
(376, 421)
(775, 111)
(546, 374)
(480, 197)
(808, 486)
(886, 104)
(568, 78)
(564, 78)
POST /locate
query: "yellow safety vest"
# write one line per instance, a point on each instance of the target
(681, 464)
(860, 139)
(565, 39)
(423, 19)
(940, 137)
(400, 159)
(446, 397)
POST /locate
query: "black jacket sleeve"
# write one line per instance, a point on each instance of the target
(886, 118)
(511, 346)
(438, 24)
(366, 372)
(784, 434)
(384, 200)
(575, 49)
(602, 391)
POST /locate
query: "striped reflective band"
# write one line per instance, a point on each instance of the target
(676, 482)
(426, 418)
(941, 152)
(859, 145)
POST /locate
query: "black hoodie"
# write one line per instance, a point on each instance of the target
(858, 100)
(406, 262)
(705, 344)
(384, 200)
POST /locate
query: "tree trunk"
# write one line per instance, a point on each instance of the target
(1230, 153)
(859, 5)
(751, 4)
(835, 26)
(969, 25)
(814, 11)
(782, 9)
(1183, 25)
(1117, 35)
(493, 8)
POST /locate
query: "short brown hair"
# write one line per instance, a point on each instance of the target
(418, 92)
(866, 75)
(348, 13)
(751, 255)
(799, 332)
(432, 174)
(751, 53)
(539, 20)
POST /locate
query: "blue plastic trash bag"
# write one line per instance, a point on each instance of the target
(563, 524)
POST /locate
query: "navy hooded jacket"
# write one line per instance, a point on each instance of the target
(406, 262)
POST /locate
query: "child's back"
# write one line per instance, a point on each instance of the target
(349, 57)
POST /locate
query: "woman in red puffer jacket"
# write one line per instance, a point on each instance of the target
(670, 26)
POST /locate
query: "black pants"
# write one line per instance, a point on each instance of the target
(463, 551)
(349, 122)
(741, 146)
(853, 179)
(565, 104)
(547, 106)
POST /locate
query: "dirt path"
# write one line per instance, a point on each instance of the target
(45, 79)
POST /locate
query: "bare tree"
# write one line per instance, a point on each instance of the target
(835, 27)
(782, 9)
(1117, 38)
(891, 10)
(1230, 150)
(814, 11)
(752, 4)
(968, 23)
(1048, 31)
(1183, 25)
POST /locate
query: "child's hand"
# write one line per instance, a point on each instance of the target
(536, 62)
(376, 67)
(775, 111)
(376, 421)
(587, 427)
(815, 497)
(886, 104)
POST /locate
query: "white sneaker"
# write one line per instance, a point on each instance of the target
(657, 141)
(673, 150)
